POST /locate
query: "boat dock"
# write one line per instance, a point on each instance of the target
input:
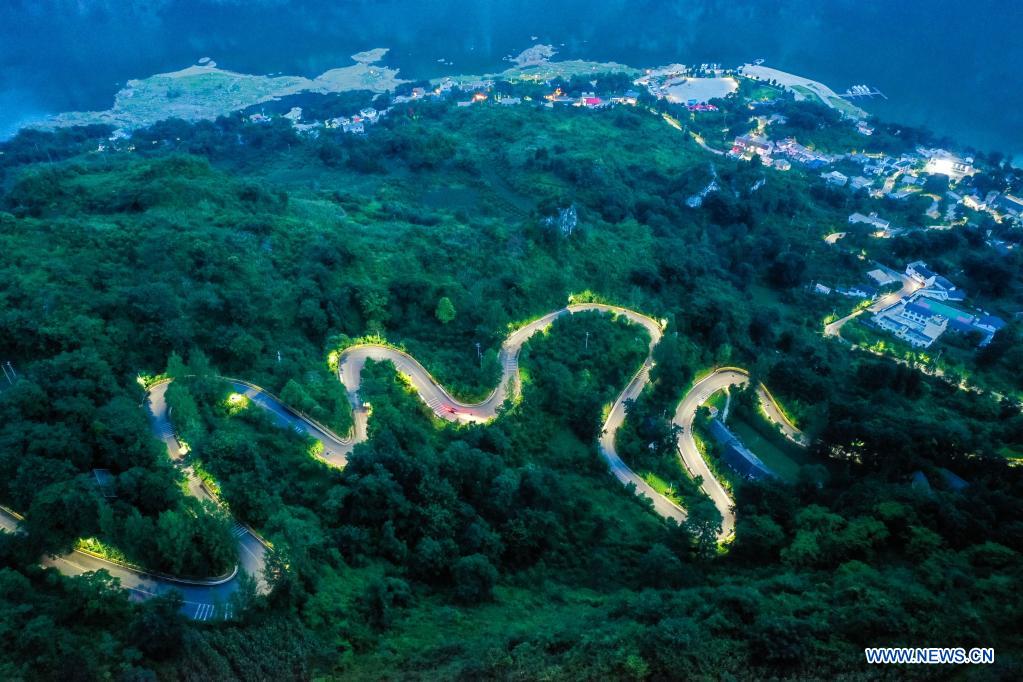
(862, 91)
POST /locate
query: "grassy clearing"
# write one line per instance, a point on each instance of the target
(777, 460)
(717, 400)
(663, 487)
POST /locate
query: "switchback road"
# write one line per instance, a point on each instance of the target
(208, 598)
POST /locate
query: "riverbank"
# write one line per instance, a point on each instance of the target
(204, 91)
(803, 88)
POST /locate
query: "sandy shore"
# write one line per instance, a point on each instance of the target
(804, 88)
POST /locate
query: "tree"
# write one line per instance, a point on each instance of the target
(787, 270)
(659, 567)
(380, 599)
(703, 525)
(445, 310)
(158, 627)
(758, 537)
(474, 579)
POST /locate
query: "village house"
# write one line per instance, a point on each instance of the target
(920, 273)
(629, 97)
(941, 162)
(943, 289)
(835, 178)
(920, 320)
(871, 220)
(915, 325)
(861, 291)
(1002, 206)
(753, 144)
(591, 101)
(737, 455)
(802, 155)
(881, 277)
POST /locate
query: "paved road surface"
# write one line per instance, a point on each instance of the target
(208, 598)
(447, 407)
(690, 454)
(204, 598)
(909, 286)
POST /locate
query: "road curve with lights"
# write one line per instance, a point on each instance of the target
(719, 380)
(209, 598)
(353, 359)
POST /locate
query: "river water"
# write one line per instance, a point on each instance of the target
(946, 64)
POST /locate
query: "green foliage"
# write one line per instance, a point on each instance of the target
(480, 551)
(474, 577)
(445, 310)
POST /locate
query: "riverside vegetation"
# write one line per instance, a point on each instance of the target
(496, 551)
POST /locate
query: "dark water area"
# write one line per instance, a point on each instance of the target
(948, 65)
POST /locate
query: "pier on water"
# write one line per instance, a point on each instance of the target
(862, 91)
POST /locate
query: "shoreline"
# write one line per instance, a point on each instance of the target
(204, 91)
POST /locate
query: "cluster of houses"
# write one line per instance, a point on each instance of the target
(787, 151)
(922, 317)
(356, 123)
(837, 179)
(1001, 206)
(882, 228)
(590, 100)
(883, 176)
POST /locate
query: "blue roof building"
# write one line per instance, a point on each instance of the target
(737, 455)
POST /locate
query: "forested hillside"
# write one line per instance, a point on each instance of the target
(488, 551)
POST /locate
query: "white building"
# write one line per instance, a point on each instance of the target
(916, 329)
(920, 273)
(913, 328)
(835, 178)
(881, 277)
(871, 220)
(941, 162)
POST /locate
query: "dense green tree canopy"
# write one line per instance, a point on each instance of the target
(505, 550)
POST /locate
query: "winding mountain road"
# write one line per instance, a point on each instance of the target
(685, 415)
(209, 598)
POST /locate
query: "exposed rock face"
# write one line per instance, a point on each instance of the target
(565, 221)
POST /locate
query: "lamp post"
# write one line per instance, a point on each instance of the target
(479, 354)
